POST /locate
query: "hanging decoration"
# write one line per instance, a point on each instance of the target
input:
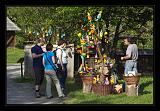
(96, 65)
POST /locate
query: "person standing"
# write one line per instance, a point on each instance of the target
(62, 63)
(37, 54)
(131, 56)
(50, 72)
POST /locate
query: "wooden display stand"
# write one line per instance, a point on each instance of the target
(93, 61)
(132, 79)
(132, 85)
(132, 90)
(87, 83)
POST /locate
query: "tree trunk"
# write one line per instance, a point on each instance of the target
(115, 39)
(132, 90)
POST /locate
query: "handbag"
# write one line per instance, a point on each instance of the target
(59, 72)
(57, 69)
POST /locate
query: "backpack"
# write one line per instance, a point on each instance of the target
(55, 53)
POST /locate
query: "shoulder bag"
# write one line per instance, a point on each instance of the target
(57, 69)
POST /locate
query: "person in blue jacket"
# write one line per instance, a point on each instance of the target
(50, 72)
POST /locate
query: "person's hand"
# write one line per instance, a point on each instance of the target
(122, 58)
(63, 68)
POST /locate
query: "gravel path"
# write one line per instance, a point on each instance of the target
(22, 93)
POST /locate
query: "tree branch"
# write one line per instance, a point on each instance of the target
(121, 32)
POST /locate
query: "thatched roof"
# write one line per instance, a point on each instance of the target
(12, 26)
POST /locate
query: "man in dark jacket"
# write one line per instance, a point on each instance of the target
(37, 55)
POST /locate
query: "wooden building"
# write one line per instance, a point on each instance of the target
(146, 61)
(10, 33)
(145, 64)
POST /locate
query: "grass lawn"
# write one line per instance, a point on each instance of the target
(14, 54)
(77, 97)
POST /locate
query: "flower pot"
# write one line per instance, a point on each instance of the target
(132, 79)
(87, 83)
(87, 79)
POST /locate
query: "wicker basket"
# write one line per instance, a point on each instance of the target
(132, 79)
(102, 89)
(87, 79)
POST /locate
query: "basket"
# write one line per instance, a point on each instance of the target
(132, 79)
(87, 79)
(102, 89)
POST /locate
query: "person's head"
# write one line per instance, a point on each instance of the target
(49, 47)
(62, 43)
(40, 41)
(127, 40)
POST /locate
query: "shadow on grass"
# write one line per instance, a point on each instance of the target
(142, 87)
(98, 100)
(73, 86)
(94, 101)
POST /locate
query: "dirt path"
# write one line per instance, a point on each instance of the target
(22, 93)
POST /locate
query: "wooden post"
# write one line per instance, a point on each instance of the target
(87, 83)
(21, 70)
(132, 90)
(132, 84)
(21, 61)
(87, 87)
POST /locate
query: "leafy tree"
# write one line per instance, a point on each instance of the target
(116, 20)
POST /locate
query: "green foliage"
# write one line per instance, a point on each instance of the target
(119, 21)
(20, 40)
(14, 54)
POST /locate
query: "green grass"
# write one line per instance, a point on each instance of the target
(14, 54)
(75, 90)
(77, 97)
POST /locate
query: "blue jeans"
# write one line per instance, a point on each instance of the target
(130, 66)
(63, 79)
(49, 78)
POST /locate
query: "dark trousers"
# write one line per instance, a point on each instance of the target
(39, 75)
(39, 79)
(64, 77)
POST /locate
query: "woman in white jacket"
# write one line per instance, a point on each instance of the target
(62, 63)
